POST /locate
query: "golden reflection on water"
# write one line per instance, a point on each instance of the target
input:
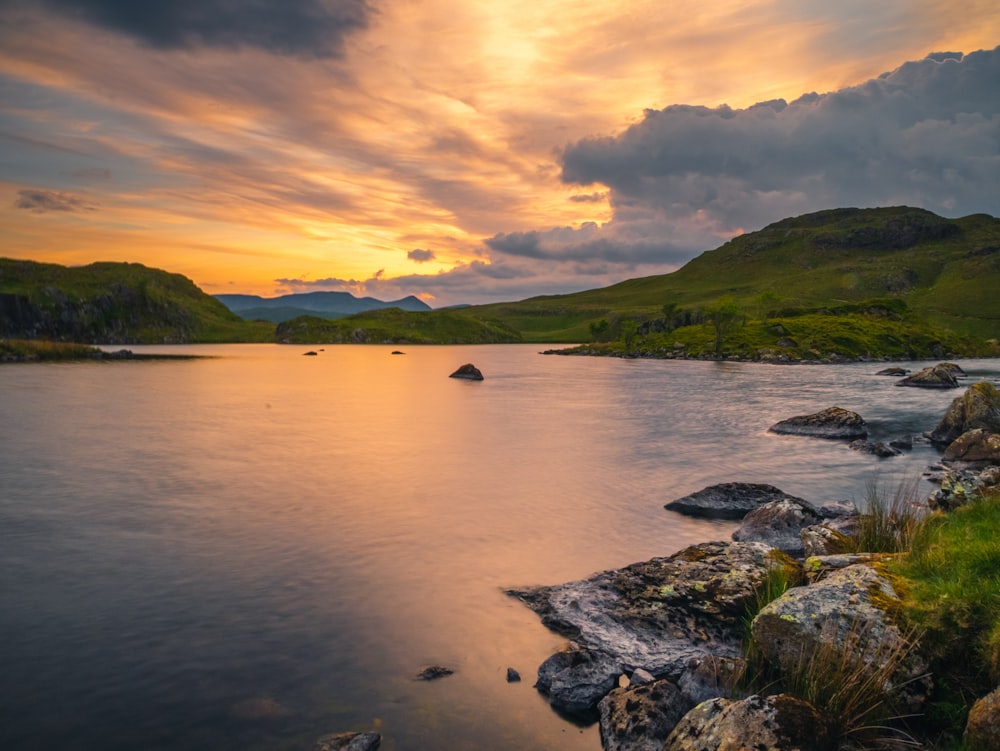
(261, 530)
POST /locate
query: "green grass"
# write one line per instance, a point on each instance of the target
(32, 349)
(889, 522)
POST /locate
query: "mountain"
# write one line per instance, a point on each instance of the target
(113, 303)
(321, 304)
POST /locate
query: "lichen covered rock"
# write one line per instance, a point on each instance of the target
(978, 407)
(639, 718)
(941, 376)
(850, 611)
(974, 447)
(775, 723)
(834, 422)
(982, 730)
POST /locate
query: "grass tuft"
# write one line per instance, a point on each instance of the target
(890, 520)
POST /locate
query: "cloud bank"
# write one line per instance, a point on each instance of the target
(926, 134)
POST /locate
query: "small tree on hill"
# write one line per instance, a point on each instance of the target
(724, 316)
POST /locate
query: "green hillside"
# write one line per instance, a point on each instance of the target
(940, 275)
(114, 303)
(395, 326)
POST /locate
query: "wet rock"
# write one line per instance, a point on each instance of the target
(846, 612)
(982, 730)
(904, 443)
(349, 742)
(469, 372)
(311, 353)
(834, 422)
(576, 679)
(941, 376)
(978, 447)
(874, 448)
(397, 352)
(775, 723)
(513, 676)
(662, 613)
(728, 500)
(778, 524)
(433, 672)
(893, 372)
(640, 718)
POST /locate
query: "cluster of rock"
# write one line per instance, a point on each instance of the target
(672, 629)
(656, 650)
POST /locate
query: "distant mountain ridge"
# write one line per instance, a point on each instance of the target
(321, 304)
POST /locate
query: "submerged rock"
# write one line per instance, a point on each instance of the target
(469, 372)
(875, 448)
(775, 723)
(834, 422)
(433, 672)
(349, 742)
(728, 500)
(978, 407)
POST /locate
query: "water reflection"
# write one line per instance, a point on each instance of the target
(259, 548)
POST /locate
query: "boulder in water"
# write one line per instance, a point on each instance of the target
(834, 422)
(469, 372)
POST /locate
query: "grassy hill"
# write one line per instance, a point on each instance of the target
(114, 303)
(395, 326)
(939, 276)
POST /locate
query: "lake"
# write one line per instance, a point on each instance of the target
(255, 548)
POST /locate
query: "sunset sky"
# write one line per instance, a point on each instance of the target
(471, 151)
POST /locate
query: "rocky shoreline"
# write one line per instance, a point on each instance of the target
(661, 652)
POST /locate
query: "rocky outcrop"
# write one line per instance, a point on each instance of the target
(469, 372)
(978, 447)
(847, 613)
(978, 407)
(663, 615)
(728, 500)
(778, 524)
(982, 730)
(942, 376)
(639, 718)
(959, 486)
(349, 742)
(834, 422)
(776, 723)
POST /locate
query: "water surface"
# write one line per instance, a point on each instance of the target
(249, 550)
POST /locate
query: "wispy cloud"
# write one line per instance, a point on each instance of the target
(42, 201)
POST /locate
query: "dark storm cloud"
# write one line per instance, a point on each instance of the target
(420, 256)
(303, 28)
(611, 244)
(42, 201)
(589, 198)
(926, 134)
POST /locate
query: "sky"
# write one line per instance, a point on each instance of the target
(471, 151)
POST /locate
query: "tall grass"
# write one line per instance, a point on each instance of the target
(890, 519)
(855, 682)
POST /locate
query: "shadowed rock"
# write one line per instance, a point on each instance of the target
(942, 376)
(978, 407)
(834, 422)
(433, 672)
(728, 500)
(576, 679)
(469, 372)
